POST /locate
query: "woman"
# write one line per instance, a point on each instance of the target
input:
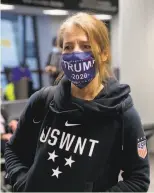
(90, 131)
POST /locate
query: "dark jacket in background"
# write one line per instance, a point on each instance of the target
(54, 59)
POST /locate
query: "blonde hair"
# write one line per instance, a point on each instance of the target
(97, 34)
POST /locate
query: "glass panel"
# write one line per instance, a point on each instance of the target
(32, 63)
(3, 81)
(8, 44)
(20, 42)
(35, 79)
(29, 29)
(12, 42)
(30, 40)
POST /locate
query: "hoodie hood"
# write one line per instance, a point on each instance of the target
(113, 99)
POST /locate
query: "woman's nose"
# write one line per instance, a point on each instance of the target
(77, 48)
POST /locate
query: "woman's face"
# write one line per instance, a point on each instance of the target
(75, 40)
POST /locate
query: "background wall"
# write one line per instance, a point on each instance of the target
(132, 43)
(115, 40)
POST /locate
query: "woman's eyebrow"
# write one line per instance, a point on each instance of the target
(68, 42)
(84, 41)
(81, 41)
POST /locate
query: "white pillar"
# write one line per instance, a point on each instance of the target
(115, 40)
(136, 41)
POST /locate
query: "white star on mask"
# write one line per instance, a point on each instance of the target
(52, 156)
(69, 161)
(56, 172)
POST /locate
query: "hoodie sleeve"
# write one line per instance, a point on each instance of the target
(20, 150)
(135, 163)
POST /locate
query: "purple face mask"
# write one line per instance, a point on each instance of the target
(79, 68)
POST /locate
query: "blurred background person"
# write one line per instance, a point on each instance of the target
(7, 128)
(53, 67)
(9, 90)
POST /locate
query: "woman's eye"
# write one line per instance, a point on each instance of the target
(87, 47)
(67, 47)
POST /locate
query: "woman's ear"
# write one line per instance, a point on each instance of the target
(104, 55)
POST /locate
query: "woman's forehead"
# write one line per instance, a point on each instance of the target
(73, 33)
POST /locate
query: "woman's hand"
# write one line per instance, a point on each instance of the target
(13, 125)
(51, 69)
(6, 136)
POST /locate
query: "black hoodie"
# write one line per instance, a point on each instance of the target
(80, 145)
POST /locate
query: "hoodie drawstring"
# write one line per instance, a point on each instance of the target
(122, 119)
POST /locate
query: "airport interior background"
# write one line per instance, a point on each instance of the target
(28, 28)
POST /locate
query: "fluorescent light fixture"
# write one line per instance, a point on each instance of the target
(103, 17)
(6, 7)
(55, 12)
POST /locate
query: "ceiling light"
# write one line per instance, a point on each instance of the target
(103, 17)
(55, 12)
(6, 7)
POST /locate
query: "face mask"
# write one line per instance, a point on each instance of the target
(55, 50)
(79, 68)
